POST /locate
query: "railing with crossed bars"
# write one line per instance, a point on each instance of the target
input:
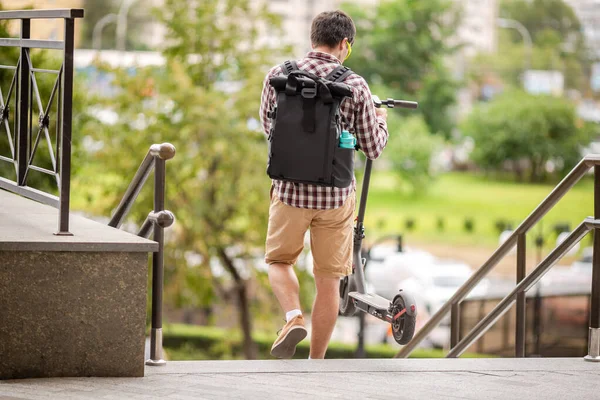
(23, 91)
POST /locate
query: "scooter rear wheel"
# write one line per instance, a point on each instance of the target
(403, 328)
(347, 307)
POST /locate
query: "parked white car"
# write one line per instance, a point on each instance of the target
(389, 271)
(432, 281)
(387, 267)
(584, 264)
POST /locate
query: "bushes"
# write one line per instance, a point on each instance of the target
(199, 342)
(188, 342)
(523, 132)
(409, 151)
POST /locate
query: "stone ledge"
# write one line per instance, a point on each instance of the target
(26, 225)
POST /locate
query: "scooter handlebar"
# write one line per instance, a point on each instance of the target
(391, 103)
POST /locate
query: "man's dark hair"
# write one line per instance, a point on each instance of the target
(331, 27)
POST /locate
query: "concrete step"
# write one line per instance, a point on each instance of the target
(26, 225)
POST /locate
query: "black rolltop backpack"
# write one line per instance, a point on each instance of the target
(306, 127)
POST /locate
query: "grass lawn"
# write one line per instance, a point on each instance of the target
(457, 196)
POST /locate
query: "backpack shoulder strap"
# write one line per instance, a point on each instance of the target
(339, 74)
(289, 66)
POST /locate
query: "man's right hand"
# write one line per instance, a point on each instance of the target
(381, 112)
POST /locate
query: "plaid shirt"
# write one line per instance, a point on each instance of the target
(359, 112)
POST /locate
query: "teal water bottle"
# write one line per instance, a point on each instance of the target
(347, 141)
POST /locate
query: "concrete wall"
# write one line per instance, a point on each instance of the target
(72, 314)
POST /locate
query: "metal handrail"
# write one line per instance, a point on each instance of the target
(57, 13)
(156, 222)
(132, 192)
(522, 287)
(524, 283)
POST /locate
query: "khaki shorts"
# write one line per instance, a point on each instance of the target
(331, 234)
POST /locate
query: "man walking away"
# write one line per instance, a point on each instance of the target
(327, 211)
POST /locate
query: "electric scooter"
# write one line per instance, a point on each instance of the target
(401, 312)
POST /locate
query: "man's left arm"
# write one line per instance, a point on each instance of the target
(370, 127)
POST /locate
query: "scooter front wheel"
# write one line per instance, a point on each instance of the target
(403, 325)
(347, 307)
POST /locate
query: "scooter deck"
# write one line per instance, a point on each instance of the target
(372, 300)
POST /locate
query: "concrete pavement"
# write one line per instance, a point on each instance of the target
(325, 379)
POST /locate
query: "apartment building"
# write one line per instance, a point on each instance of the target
(588, 12)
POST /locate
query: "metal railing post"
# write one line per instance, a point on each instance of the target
(454, 324)
(23, 107)
(161, 153)
(521, 299)
(537, 322)
(594, 336)
(505, 331)
(66, 129)
(156, 356)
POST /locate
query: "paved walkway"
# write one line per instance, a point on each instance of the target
(325, 379)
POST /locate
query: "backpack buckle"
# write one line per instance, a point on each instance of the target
(309, 92)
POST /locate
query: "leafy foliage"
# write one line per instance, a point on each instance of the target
(218, 40)
(541, 16)
(523, 132)
(204, 101)
(137, 21)
(402, 44)
(410, 149)
(558, 44)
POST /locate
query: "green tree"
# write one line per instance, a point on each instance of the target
(539, 16)
(137, 19)
(94, 12)
(410, 151)
(523, 132)
(205, 101)
(402, 44)
(558, 44)
(218, 41)
(557, 33)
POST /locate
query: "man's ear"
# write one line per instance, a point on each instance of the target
(342, 45)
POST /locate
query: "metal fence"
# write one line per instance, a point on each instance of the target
(29, 123)
(459, 343)
(556, 326)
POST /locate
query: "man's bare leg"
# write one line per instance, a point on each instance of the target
(284, 283)
(324, 315)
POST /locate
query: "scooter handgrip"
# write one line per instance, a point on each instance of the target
(406, 104)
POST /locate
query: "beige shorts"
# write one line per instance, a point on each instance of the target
(330, 236)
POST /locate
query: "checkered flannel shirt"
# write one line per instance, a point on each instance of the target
(363, 122)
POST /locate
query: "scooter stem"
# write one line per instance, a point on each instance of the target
(359, 230)
(364, 192)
